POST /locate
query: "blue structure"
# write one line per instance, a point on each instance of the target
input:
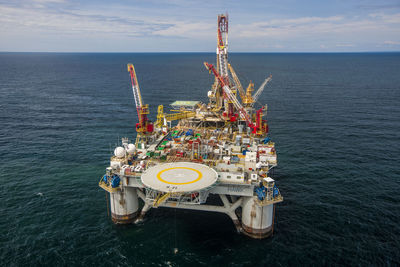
(189, 132)
(276, 191)
(260, 191)
(115, 180)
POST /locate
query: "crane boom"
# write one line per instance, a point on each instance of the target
(237, 82)
(142, 110)
(243, 114)
(135, 86)
(261, 89)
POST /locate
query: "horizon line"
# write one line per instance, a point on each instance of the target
(196, 52)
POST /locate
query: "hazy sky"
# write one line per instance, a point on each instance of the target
(188, 25)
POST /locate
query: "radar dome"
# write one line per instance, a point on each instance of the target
(131, 148)
(119, 152)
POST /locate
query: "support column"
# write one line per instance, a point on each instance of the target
(145, 208)
(124, 205)
(256, 220)
(230, 211)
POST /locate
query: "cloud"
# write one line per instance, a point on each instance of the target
(306, 26)
(391, 43)
(76, 22)
(186, 30)
(170, 26)
(386, 18)
(334, 32)
(344, 45)
(379, 6)
(49, 1)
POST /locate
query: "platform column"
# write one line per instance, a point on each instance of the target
(124, 205)
(256, 220)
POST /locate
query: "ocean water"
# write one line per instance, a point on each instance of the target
(335, 119)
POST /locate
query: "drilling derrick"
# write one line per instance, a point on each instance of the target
(217, 96)
(222, 47)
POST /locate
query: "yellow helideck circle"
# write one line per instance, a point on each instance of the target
(173, 168)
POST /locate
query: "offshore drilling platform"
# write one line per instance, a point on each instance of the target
(196, 150)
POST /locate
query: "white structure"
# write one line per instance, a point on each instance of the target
(179, 177)
(124, 205)
(256, 219)
(119, 152)
(131, 148)
(187, 185)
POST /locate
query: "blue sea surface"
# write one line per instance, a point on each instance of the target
(335, 119)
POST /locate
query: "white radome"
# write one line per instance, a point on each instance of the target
(258, 165)
(131, 148)
(119, 152)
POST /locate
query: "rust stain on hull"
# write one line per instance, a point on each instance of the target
(257, 233)
(124, 219)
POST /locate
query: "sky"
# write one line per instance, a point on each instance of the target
(190, 26)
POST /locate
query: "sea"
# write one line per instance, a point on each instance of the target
(334, 117)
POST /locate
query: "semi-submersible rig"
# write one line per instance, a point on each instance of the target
(220, 148)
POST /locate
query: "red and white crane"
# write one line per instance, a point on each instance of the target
(143, 126)
(228, 92)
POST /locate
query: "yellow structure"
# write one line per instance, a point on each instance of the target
(248, 99)
(237, 82)
(183, 114)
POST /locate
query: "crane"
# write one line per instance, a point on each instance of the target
(237, 83)
(249, 99)
(143, 126)
(244, 115)
(260, 89)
